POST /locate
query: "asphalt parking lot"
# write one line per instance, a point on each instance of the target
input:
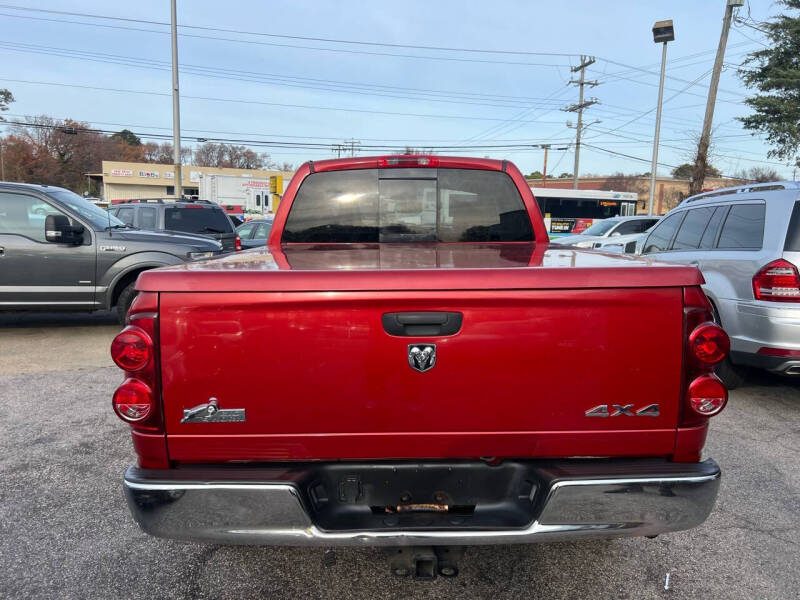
(65, 531)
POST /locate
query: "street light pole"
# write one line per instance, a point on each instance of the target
(176, 108)
(662, 32)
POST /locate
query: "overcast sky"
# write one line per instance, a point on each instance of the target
(241, 85)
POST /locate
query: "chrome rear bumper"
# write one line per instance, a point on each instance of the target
(598, 499)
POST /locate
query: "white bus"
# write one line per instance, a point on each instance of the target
(571, 211)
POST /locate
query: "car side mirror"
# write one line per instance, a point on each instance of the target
(615, 234)
(58, 229)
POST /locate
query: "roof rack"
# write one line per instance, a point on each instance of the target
(743, 189)
(165, 201)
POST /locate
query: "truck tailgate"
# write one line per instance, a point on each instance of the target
(318, 376)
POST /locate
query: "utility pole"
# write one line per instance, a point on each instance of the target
(701, 160)
(544, 169)
(2, 162)
(581, 83)
(176, 107)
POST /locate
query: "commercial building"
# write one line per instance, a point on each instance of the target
(133, 181)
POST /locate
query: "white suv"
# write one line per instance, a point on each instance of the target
(746, 242)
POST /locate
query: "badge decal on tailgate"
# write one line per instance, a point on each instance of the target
(422, 357)
(210, 412)
(651, 410)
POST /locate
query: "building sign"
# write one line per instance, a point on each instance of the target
(149, 174)
(121, 172)
(256, 183)
(169, 175)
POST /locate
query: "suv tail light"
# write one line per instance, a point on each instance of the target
(238, 244)
(138, 400)
(707, 345)
(777, 282)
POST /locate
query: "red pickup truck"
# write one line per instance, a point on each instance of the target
(407, 364)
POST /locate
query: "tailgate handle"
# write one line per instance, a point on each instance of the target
(422, 323)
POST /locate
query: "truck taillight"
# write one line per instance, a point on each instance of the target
(707, 395)
(132, 349)
(238, 244)
(138, 400)
(709, 344)
(778, 281)
(133, 401)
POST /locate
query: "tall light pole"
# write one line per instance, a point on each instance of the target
(176, 106)
(663, 32)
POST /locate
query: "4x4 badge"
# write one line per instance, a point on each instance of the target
(651, 410)
(421, 357)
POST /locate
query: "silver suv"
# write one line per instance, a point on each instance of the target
(746, 242)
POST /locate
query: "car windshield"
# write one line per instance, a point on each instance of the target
(98, 217)
(601, 227)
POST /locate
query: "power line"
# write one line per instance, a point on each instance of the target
(261, 102)
(280, 45)
(291, 37)
(264, 78)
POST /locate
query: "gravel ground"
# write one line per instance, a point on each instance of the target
(65, 531)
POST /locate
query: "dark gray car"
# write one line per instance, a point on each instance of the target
(195, 217)
(60, 252)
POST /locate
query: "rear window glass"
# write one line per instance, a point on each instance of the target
(196, 220)
(743, 228)
(793, 233)
(451, 205)
(692, 229)
(661, 236)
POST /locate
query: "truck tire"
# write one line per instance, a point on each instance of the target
(124, 301)
(731, 375)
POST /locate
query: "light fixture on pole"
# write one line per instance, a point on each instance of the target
(663, 32)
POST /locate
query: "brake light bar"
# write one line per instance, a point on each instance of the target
(408, 161)
(778, 281)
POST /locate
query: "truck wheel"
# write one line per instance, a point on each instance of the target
(124, 301)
